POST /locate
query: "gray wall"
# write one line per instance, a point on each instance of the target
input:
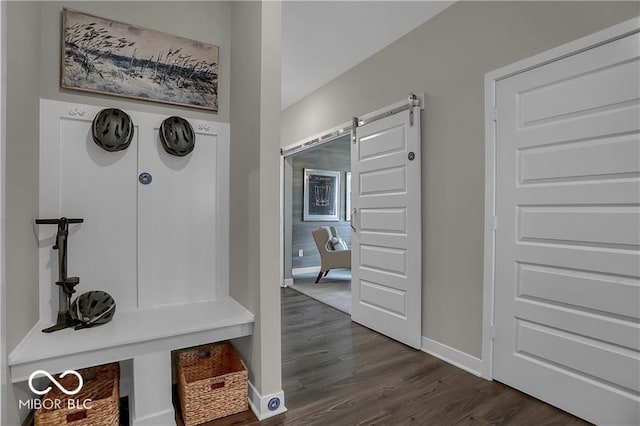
(336, 156)
(254, 203)
(244, 202)
(21, 178)
(270, 230)
(447, 58)
(23, 106)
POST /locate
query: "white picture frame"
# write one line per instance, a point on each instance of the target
(347, 201)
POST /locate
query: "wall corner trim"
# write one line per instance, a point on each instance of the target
(452, 356)
(262, 406)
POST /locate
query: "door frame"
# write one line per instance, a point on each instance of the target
(3, 301)
(318, 139)
(591, 41)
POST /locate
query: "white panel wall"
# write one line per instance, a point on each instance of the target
(98, 186)
(147, 245)
(178, 216)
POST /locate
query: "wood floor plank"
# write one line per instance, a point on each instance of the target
(336, 372)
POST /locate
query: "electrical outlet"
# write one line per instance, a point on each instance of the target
(300, 253)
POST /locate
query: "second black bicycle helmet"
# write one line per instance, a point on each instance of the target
(92, 308)
(112, 129)
(177, 136)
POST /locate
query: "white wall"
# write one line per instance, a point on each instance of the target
(255, 168)
(447, 58)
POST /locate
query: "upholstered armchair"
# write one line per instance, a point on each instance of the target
(334, 253)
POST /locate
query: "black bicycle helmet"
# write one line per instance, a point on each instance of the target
(93, 308)
(112, 129)
(177, 136)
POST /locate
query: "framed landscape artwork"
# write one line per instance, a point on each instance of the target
(321, 195)
(109, 57)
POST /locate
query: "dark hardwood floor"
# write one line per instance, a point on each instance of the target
(336, 372)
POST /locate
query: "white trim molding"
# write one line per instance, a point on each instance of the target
(266, 406)
(3, 301)
(287, 282)
(491, 222)
(462, 360)
(305, 270)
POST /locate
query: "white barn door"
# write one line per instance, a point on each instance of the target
(567, 289)
(386, 217)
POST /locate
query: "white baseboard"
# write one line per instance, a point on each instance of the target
(453, 356)
(265, 406)
(288, 282)
(167, 417)
(305, 270)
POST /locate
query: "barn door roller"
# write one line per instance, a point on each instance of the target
(412, 102)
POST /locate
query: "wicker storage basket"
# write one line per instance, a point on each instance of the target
(212, 383)
(101, 386)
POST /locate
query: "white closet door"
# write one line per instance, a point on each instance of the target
(567, 290)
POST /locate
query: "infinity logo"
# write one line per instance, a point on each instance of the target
(55, 382)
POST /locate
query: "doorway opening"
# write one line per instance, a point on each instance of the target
(384, 216)
(316, 218)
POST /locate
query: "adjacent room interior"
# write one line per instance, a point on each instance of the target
(302, 258)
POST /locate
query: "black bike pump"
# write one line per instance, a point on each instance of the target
(65, 284)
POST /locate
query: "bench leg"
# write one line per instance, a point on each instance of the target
(151, 404)
(319, 276)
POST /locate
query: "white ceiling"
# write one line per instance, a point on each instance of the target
(323, 39)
